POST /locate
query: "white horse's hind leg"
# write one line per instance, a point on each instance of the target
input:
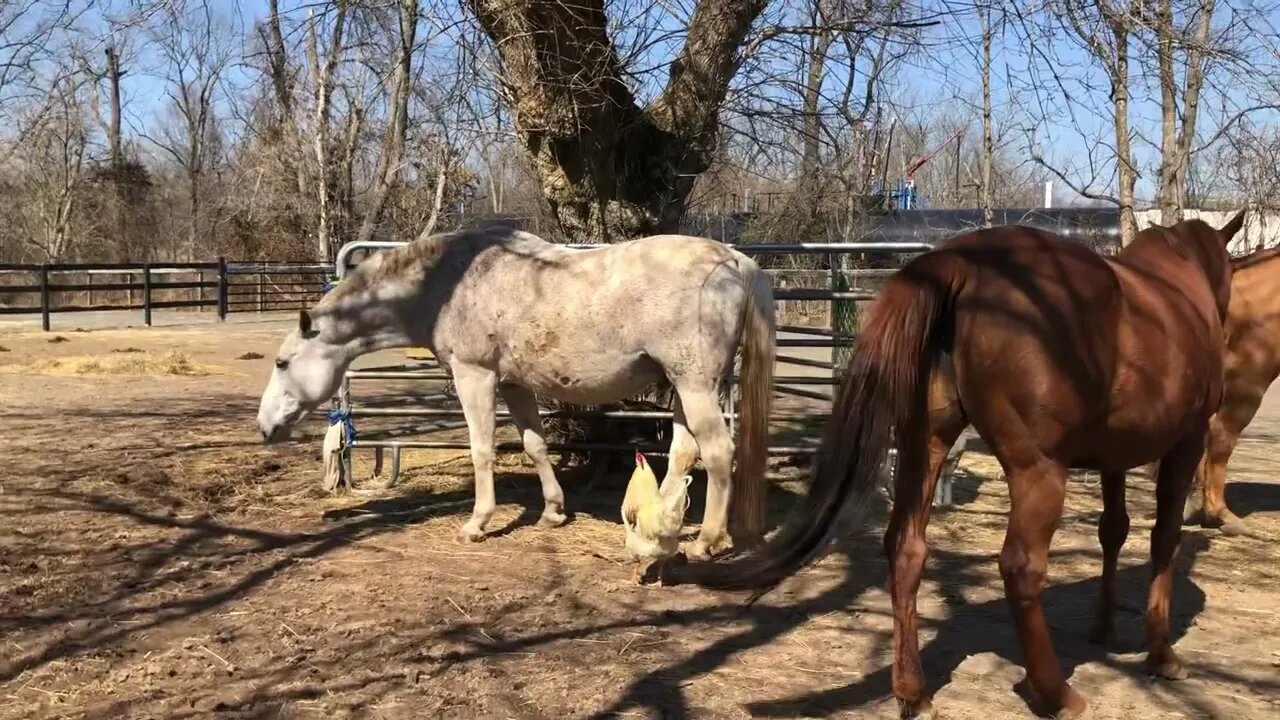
(684, 449)
(702, 412)
(476, 387)
(524, 412)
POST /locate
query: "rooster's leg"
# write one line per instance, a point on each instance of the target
(635, 573)
(662, 568)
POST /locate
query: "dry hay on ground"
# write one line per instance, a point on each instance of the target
(131, 361)
(157, 561)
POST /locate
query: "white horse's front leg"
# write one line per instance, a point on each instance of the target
(715, 445)
(524, 413)
(684, 449)
(476, 386)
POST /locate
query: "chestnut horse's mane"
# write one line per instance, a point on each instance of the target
(1256, 257)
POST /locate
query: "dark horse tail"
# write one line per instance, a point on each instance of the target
(885, 389)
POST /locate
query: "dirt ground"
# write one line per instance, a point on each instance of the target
(156, 561)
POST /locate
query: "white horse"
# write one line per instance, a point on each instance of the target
(506, 311)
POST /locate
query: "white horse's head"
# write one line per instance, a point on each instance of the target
(308, 370)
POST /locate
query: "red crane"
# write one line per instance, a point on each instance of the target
(919, 161)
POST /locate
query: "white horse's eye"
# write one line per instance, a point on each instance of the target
(282, 364)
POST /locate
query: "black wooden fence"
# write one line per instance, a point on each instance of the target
(226, 287)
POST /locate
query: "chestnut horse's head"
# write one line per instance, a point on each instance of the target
(1208, 246)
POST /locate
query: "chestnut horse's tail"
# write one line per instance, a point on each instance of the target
(885, 389)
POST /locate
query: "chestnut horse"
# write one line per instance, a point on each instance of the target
(1060, 358)
(1252, 364)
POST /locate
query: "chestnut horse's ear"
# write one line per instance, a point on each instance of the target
(304, 322)
(1232, 227)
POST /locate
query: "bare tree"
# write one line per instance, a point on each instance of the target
(391, 163)
(1175, 141)
(282, 76)
(1104, 29)
(323, 72)
(988, 145)
(51, 153)
(196, 54)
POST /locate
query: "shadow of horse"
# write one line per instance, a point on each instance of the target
(1246, 498)
(1068, 609)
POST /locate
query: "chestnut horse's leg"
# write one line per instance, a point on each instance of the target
(904, 541)
(1176, 472)
(1113, 530)
(1224, 430)
(1036, 493)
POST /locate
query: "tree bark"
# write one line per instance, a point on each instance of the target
(608, 168)
(1127, 175)
(819, 46)
(391, 163)
(1175, 142)
(442, 178)
(988, 147)
(282, 87)
(1114, 59)
(322, 80)
(119, 182)
(113, 129)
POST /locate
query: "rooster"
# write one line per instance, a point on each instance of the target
(653, 516)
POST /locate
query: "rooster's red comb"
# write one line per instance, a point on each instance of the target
(639, 458)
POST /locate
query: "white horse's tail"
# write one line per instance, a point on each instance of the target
(759, 337)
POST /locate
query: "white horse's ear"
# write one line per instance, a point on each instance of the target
(304, 322)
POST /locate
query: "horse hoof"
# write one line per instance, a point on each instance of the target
(1169, 667)
(918, 710)
(470, 534)
(701, 549)
(552, 520)
(1073, 708)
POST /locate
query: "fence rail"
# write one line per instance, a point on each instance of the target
(226, 287)
(222, 286)
(433, 409)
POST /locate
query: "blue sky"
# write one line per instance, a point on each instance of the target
(944, 80)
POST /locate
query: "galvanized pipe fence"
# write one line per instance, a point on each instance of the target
(438, 411)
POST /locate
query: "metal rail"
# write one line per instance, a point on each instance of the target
(819, 338)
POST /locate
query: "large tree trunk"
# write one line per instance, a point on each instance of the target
(113, 129)
(119, 181)
(610, 169)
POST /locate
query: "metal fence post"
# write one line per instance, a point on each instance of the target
(222, 288)
(262, 282)
(146, 294)
(44, 297)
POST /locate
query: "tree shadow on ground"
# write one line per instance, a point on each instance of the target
(142, 601)
(1068, 609)
(131, 592)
